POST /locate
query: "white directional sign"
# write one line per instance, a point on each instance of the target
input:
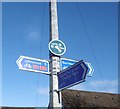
(90, 69)
(33, 64)
(57, 47)
(65, 63)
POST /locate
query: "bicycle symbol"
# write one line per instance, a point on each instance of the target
(57, 47)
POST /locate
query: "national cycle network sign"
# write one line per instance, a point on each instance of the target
(33, 64)
(57, 47)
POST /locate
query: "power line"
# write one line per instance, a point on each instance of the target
(92, 49)
(41, 35)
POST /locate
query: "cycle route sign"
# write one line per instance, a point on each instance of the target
(33, 64)
(57, 47)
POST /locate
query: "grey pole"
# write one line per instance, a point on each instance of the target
(55, 95)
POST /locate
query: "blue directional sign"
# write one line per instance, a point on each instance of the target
(65, 63)
(57, 47)
(72, 75)
(33, 64)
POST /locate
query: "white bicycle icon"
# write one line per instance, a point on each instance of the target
(57, 46)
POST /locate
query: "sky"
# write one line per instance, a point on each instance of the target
(1, 54)
(89, 31)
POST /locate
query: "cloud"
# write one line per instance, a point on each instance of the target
(109, 86)
(79, 87)
(34, 35)
(33, 29)
(111, 83)
(115, 90)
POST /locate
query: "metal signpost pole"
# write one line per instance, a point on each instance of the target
(55, 95)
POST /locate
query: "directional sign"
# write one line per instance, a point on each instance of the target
(65, 63)
(90, 69)
(32, 64)
(57, 47)
(72, 75)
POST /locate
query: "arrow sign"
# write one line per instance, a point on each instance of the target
(33, 64)
(72, 75)
(65, 63)
(90, 69)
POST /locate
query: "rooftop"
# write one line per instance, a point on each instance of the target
(77, 99)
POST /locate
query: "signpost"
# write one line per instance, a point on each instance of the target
(73, 72)
(65, 63)
(57, 47)
(72, 75)
(32, 64)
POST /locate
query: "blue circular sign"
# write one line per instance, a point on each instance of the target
(57, 47)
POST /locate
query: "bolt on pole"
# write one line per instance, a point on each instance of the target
(55, 95)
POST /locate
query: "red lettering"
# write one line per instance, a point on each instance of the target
(35, 66)
(43, 68)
